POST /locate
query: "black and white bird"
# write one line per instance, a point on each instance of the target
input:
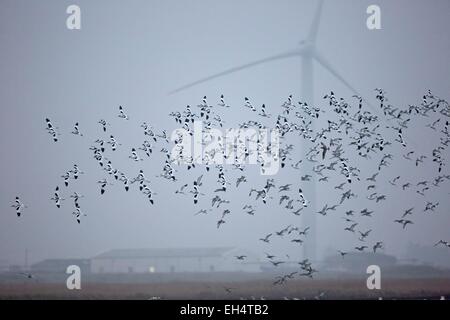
(147, 148)
(76, 171)
(122, 114)
(75, 196)
(351, 228)
(430, 206)
(442, 242)
(66, 177)
(240, 180)
(404, 222)
(113, 142)
(76, 130)
(134, 156)
(149, 193)
(342, 253)
(202, 211)
(103, 183)
(18, 206)
(266, 238)
(51, 130)
(407, 212)
(302, 198)
(220, 222)
(248, 104)
(125, 180)
(57, 198)
(222, 102)
(104, 124)
(269, 256)
(364, 235)
(28, 275)
(78, 214)
(378, 245)
(366, 213)
(263, 112)
(181, 189)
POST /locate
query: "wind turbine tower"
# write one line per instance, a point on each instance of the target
(308, 53)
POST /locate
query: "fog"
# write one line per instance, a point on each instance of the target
(135, 54)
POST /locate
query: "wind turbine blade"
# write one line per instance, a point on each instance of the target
(284, 55)
(315, 24)
(320, 59)
(324, 62)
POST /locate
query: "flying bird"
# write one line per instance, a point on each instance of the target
(18, 206)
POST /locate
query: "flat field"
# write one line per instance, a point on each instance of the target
(431, 288)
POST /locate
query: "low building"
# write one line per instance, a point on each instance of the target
(158, 260)
(358, 261)
(437, 256)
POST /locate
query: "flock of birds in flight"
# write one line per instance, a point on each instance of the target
(348, 135)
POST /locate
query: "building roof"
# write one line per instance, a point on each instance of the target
(59, 264)
(359, 259)
(163, 253)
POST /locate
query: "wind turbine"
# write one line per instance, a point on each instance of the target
(308, 53)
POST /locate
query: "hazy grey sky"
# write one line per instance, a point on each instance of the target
(133, 54)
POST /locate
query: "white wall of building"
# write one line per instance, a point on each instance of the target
(171, 264)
